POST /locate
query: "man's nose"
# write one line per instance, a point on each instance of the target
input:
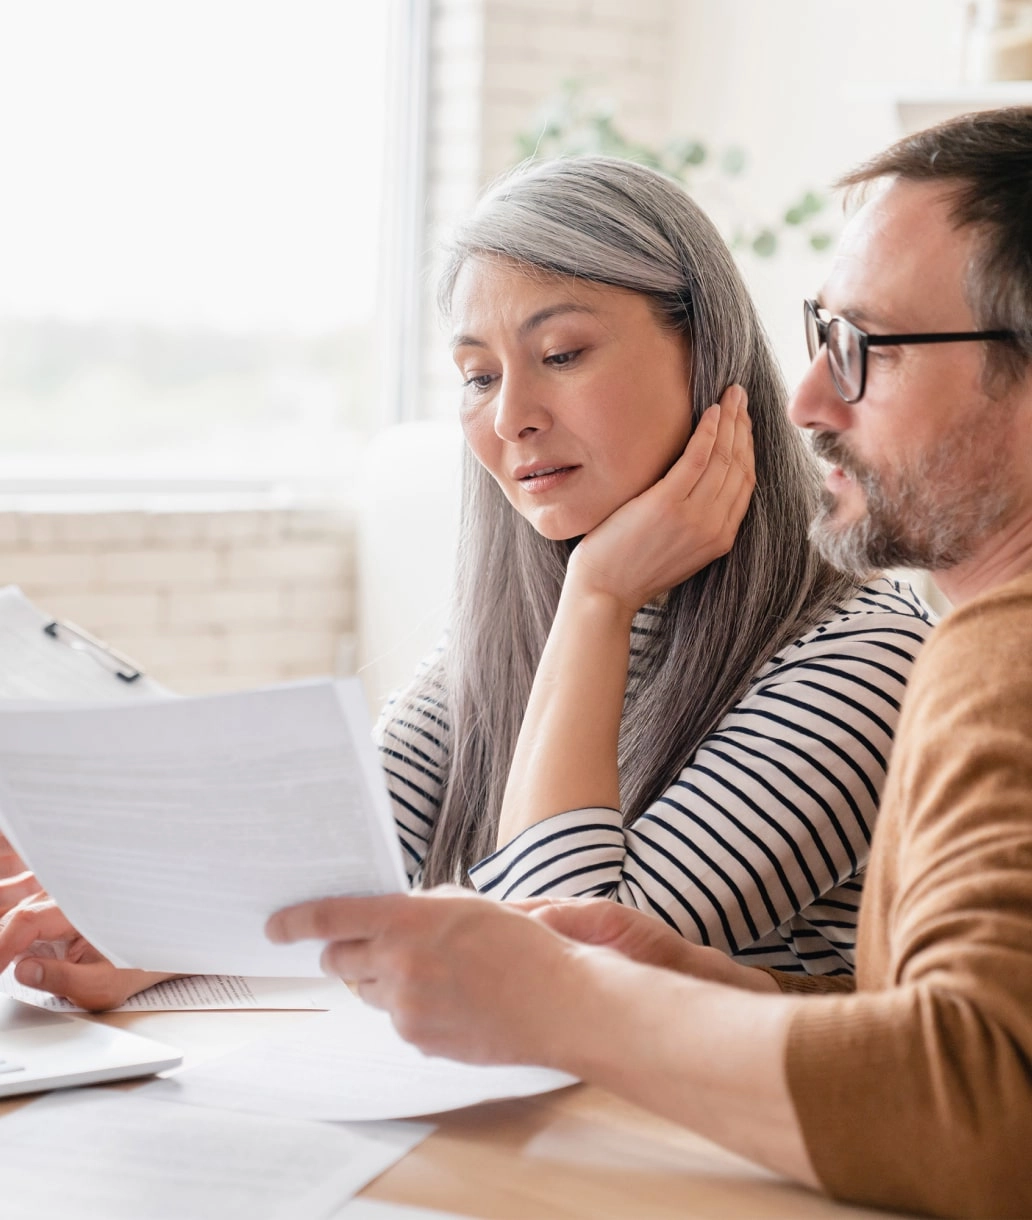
(816, 404)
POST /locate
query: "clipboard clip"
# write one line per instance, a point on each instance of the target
(74, 637)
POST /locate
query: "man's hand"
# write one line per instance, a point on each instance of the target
(461, 975)
(643, 938)
(682, 523)
(83, 975)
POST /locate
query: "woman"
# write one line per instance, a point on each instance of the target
(710, 748)
(597, 314)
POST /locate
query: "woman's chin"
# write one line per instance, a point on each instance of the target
(567, 531)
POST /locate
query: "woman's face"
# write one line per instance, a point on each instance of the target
(574, 397)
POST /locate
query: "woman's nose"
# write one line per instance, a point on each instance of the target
(520, 408)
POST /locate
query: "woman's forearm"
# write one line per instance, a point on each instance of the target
(566, 755)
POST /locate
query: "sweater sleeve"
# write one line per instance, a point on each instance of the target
(916, 1092)
(770, 819)
(413, 736)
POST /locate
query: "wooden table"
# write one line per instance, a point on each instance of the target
(578, 1154)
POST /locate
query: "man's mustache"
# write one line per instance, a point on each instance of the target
(828, 447)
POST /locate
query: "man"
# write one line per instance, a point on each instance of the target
(915, 1090)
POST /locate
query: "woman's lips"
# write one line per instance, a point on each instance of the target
(546, 479)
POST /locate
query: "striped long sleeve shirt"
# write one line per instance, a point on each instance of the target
(759, 845)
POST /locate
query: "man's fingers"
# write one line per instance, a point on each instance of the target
(334, 919)
(592, 922)
(356, 918)
(350, 960)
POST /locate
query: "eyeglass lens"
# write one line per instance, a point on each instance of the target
(845, 354)
(845, 350)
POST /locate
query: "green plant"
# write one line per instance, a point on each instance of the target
(574, 123)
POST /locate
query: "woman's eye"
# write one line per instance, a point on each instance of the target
(560, 359)
(478, 381)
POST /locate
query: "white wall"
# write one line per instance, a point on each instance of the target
(809, 88)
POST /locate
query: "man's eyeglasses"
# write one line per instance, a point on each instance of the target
(847, 346)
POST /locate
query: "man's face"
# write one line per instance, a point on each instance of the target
(921, 465)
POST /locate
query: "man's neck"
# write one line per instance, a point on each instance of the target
(1003, 557)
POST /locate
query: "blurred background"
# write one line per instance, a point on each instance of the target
(227, 436)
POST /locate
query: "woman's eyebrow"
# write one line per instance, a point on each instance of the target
(528, 324)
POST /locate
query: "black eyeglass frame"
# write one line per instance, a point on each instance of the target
(813, 322)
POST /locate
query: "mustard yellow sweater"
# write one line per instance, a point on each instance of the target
(915, 1091)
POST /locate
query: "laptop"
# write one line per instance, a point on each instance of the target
(40, 1049)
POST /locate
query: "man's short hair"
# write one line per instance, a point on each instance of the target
(984, 161)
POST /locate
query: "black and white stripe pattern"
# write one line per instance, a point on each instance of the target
(759, 845)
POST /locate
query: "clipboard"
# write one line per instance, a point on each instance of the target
(105, 656)
(42, 657)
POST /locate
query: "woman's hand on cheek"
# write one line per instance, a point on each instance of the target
(680, 524)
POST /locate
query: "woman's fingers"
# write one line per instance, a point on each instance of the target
(95, 985)
(33, 919)
(14, 890)
(720, 449)
(10, 862)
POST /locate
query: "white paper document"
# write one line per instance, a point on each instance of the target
(201, 993)
(350, 1064)
(43, 660)
(94, 1154)
(170, 830)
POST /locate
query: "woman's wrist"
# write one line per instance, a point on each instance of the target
(585, 593)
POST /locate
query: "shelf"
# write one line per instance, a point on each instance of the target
(923, 105)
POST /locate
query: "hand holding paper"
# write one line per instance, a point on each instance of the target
(171, 829)
(59, 960)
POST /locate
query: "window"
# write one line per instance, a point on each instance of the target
(190, 235)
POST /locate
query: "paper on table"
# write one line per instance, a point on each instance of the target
(33, 665)
(350, 1064)
(201, 993)
(95, 1154)
(170, 830)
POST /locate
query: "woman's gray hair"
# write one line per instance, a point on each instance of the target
(618, 223)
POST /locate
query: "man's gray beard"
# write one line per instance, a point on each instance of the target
(934, 518)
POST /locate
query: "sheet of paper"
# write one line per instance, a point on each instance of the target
(348, 1065)
(33, 665)
(201, 993)
(170, 830)
(95, 1153)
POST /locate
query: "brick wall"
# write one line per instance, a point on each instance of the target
(202, 600)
